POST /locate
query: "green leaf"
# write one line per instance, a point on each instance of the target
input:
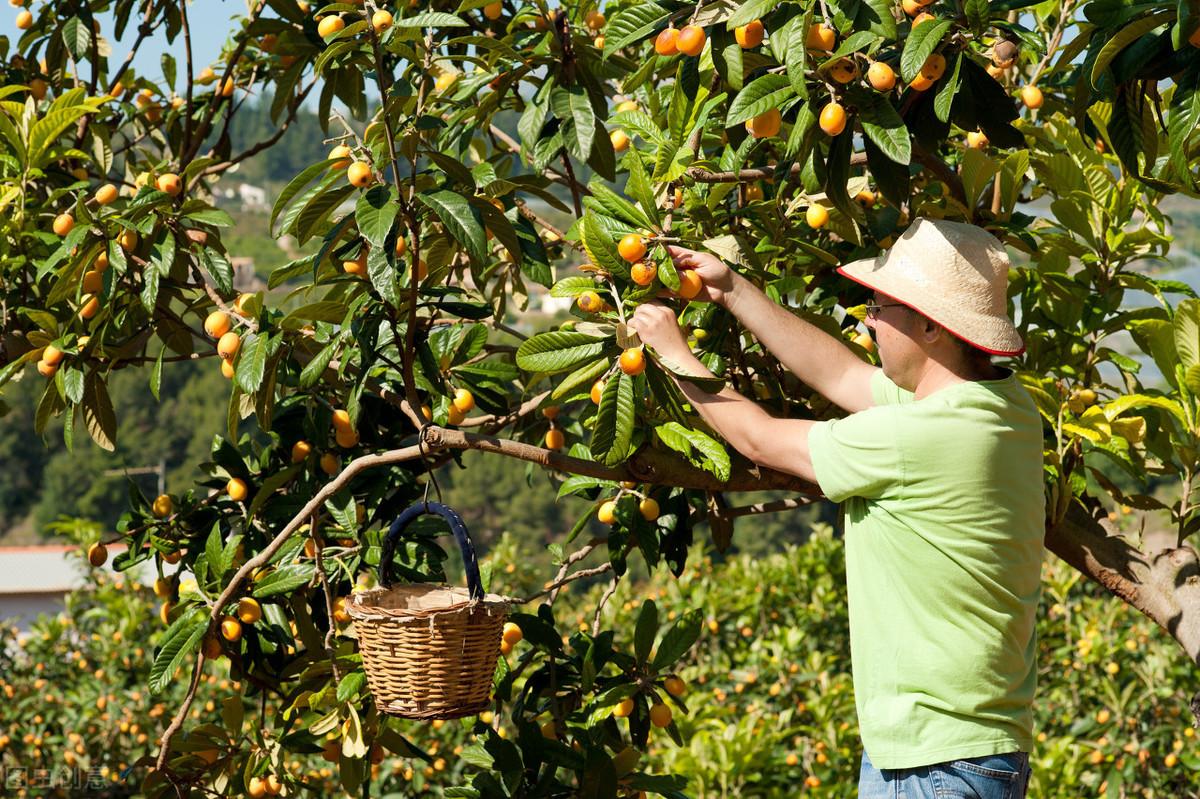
(382, 274)
(613, 432)
(580, 121)
(1187, 333)
(251, 362)
(98, 414)
(944, 100)
(572, 286)
(750, 11)
(616, 205)
(1127, 35)
(431, 19)
(632, 23)
(876, 16)
(601, 248)
(678, 640)
(919, 45)
(558, 351)
(977, 12)
(350, 685)
(375, 213)
(712, 455)
(317, 208)
(638, 187)
(584, 375)
(270, 485)
(181, 639)
(760, 96)
(645, 630)
(214, 552)
(316, 367)
(77, 37)
(284, 579)
(218, 268)
(706, 383)
(883, 125)
(156, 374)
(460, 219)
(295, 185)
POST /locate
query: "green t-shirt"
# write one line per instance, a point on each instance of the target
(945, 521)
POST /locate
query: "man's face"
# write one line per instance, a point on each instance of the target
(893, 327)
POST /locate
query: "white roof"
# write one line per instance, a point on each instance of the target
(54, 569)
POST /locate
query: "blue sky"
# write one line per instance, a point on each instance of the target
(209, 22)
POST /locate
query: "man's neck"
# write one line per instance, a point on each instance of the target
(936, 376)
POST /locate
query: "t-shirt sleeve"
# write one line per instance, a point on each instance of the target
(858, 456)
(885, 392)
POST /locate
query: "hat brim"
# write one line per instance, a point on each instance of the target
(1003, 340)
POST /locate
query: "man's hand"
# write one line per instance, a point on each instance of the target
(657, 327)
(717, 276)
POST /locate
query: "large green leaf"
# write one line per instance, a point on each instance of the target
(460, 219)
(632, 23)
(1187, 333)
(1127, 35)
(284, 579)
(709, 455)
(749, 11)
(98, 414)
(376, 213)
(678, 640)
(558, 351)
(645, 630)
(615, 420)
(919, 45)
(638, 187)
(601, 248)
(182, 638)
(760, 96)
(294, 186)
(883, 125)
(431, 19)
(251, 362)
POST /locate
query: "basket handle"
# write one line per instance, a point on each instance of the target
(474, 584)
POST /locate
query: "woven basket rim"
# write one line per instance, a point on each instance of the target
(361, 607)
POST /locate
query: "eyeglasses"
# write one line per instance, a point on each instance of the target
(873, 309)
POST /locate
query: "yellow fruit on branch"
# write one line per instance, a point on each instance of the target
(163, 505)
(231, 629)
(632, 247)
(1032, 97)
(106, 194)
(217, 324)
(881, 76)
(633, 361)
(300, 451)
(169, 183)
(445, 81)
(667, 42)
(381, 20)
(46, 369)
(555, 439)
(844, 70)
(820, 37)
(493, 11)
(624, 708)
(89, 306)
(749, 35)
(765, 125)
(607, 513)
(643, 273)
(464, 400)
(52, 354)
(675, 686)
(342, 153)
(24, 20)
(597, 391)
(660, 714)
(620, 140)
(359, 174)
(330, 26)
(248, 610)
(227, 370)
(833, 118)
(228, 345)
(63, 224)
(977, 140)
(649, 509)
(330, 464)
(550, 412)
(691, 40)
(97, 554)
(689, 284)
(595, 20)
(236, 488)
(512, 633)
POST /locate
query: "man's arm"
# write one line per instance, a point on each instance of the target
(816, 358)
(780, 444)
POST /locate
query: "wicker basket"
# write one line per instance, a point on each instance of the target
(429, 650)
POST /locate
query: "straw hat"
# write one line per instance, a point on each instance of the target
(952, 273)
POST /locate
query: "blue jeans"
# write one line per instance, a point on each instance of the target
(989, 777)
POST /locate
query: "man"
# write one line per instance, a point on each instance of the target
(939, 471)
